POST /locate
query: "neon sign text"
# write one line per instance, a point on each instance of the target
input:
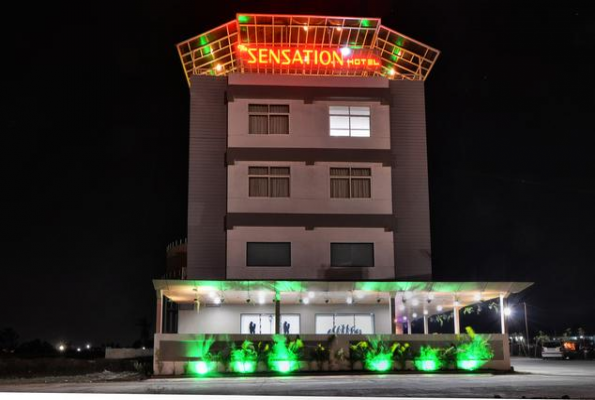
(288, 57)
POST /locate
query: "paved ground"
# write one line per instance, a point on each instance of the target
(534, 378)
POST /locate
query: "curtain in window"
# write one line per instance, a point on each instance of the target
(360, 188)
(340, 188)
(279, 125)
(258, 124)
(258, 187)
(279, 187)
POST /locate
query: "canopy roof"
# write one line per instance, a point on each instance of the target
(217, 52)
(416, 294)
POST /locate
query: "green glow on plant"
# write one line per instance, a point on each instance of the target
(284, 357)
(200, 348)
(377, 355)
(244, 367)
(469, 365)
(428, 360)
(201, 367)
(475, 352)
(244, 359)
(243, 19)
(379, 364)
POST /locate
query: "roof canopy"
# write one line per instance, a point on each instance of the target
(306, 45)
(443, 294)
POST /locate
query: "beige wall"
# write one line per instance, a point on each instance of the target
(309, 191)
(308, 126)
(226, 318)
(310, 252)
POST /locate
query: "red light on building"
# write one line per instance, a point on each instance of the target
(279, 57)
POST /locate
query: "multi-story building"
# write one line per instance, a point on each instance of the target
(308, 205)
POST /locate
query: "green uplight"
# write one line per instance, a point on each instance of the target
(379, 364)
(469, 365)
(243, 19)
(284, 357)
(428, 360)
(203, 40)
(475, 352)
(244, 359)
(284, 366)
(366, 23)
(207, 50)
(202, 367)
(244, 367)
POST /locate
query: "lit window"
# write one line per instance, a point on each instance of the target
(354, 183)
(271, 119)
(268, 181)
(352, 254)
(349, 121)
(344, 324)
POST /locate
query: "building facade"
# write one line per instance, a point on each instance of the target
(308, 204)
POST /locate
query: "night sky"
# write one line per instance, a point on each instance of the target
(95, 144)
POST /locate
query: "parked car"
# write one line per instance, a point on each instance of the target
(553, 349)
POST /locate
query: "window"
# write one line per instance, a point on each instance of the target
(345, 324)
(268, 254)
(352, 254)
(271, 119)
(354, 183)
(349, 121)
(268, 181)
(265, 323)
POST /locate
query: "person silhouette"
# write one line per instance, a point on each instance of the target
(252, 327)
(286, 328)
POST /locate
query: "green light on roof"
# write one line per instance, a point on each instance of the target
(203, 40)
(243, 19)
(207, 50)
(366, 23)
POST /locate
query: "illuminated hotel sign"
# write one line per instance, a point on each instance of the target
(335, 58)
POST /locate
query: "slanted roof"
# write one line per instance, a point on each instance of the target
(219, 51)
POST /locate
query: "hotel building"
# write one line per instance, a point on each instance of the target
(308, 204)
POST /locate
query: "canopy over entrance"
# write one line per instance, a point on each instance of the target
(433, 297)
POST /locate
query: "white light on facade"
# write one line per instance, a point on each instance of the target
(261, 300)
(401, 307)
(88, 346)
(391, 72)
(457, 303)
(405, 318)
(349, 300)
(311, 295)
(345, 51)
(425, 312)
(212, 295)
(438, 308)
(430, 296)
(306, 300)
(477, 297)
(507, 311)
(415, 302)
(414, 315)
(305, 28)
(217, 300)
(218, 67)
(78, 349)
(61, 347)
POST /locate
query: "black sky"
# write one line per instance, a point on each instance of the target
(95, 144)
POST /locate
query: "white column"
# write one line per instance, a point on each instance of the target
(457, 322)
(159, 317)
(408, 322)
(397, 324)
(502, 316)
(426, 330)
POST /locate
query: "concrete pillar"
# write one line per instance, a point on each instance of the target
(503, 326)
(398, 326)
(426, 330)
(277, 313)
(159, 317)
(392, 313)
(408, 322)
(456, 318)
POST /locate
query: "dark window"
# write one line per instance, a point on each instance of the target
(352, 254)
(270, 119)
(268, 182)
(268, 254)
(354, 183)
